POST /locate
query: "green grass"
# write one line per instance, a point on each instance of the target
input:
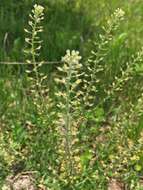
(67, 25)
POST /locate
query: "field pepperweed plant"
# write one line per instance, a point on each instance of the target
(83, 123)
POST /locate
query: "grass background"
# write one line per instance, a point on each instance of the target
(67, 25)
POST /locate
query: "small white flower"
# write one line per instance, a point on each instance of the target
(71, 57)
(119, 13)
(38, 9)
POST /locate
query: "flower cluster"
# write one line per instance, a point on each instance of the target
(119, 13)
(71, 57)
(38, 10)
(68, 106)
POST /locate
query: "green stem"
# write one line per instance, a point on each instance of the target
(68, 123)
(33, 50)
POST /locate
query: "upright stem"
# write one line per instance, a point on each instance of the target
(34, 61)
(33, 50)
(68, 123)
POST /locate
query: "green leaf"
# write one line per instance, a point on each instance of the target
(138, 167)
(85, 158)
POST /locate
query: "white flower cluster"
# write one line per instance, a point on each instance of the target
(119, 13)
(71, 57)
(38, 9)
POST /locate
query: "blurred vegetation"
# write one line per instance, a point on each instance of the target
(68, 24)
